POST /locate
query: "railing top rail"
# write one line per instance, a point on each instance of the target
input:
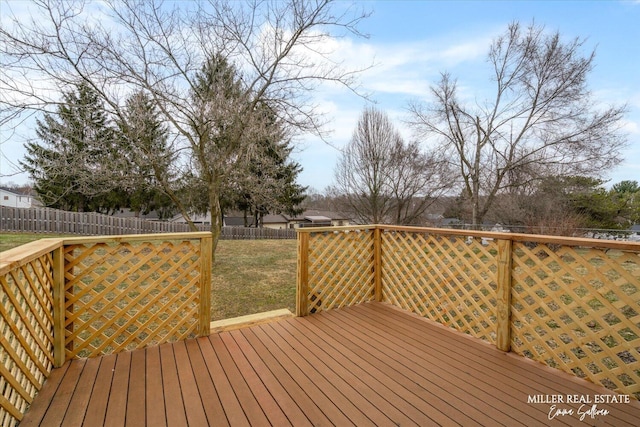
(21, 255)
(336, 228)
(137, 237)
(521, 237)
(577, 241)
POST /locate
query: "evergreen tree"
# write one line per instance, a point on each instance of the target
(220, 149)
(270, 185)
(72, 161)
(244, 158)
(588, 198)
(626, 195)
(148, 156)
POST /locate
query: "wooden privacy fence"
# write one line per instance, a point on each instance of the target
(570, 303)
(47, 220)
(53, 221)
(83, 297)
(248, 233)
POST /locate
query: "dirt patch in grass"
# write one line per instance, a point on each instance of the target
(252, 276)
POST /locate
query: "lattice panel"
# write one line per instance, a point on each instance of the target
(26, 328)
(448, 279)
(578, 309)
(122, 296)
(340, 269)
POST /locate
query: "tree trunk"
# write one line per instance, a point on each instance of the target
(216, 218)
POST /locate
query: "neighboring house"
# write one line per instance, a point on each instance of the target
(128, 213)
(237, 220)
(309, 218)
(278, 222)
(15, 200)
(197, 219)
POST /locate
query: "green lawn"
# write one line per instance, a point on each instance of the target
(249, 276)
(252, 276)
(11, 240)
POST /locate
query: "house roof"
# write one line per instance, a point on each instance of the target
(327, 215)
(18, 193)
(308, 215)
(274, 219)
(236, 221)
(236, 218)
(195, 218)
(317, 218)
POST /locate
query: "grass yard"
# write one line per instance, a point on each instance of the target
(252, 276)
(249, 276)
(11, 240)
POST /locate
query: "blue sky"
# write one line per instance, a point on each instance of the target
(413, 41)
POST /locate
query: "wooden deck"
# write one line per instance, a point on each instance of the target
(370, 364)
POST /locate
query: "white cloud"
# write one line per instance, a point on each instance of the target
(631, 127)
(399, 85)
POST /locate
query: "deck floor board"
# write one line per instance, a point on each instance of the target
(136, 402)
(97, 405)
(294, 411)
(352, 360)
(155, 414)
(445, 373)
(371, 364)
(383, 411)
(77, 409)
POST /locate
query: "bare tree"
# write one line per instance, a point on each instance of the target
(277, 47)
(542, 120)
(381, 178)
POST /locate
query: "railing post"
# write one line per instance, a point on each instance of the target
(59, 329)
(302, 287)
(503, 293)
(206, 256)
(377, 263)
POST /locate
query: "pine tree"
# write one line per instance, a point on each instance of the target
(71, 162)
(242, 156)
(147, 155)
(218, 147)
(270, 185)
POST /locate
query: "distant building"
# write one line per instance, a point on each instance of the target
(15, 200)
(128, 213)
(197, 219)
(309, 218)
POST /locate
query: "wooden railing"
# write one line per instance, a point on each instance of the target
(83, 297)
(573, 304)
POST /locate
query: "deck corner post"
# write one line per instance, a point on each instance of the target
(206, 256)
(377, 263)
(59, 330)
(302, 283)
(503, 294)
